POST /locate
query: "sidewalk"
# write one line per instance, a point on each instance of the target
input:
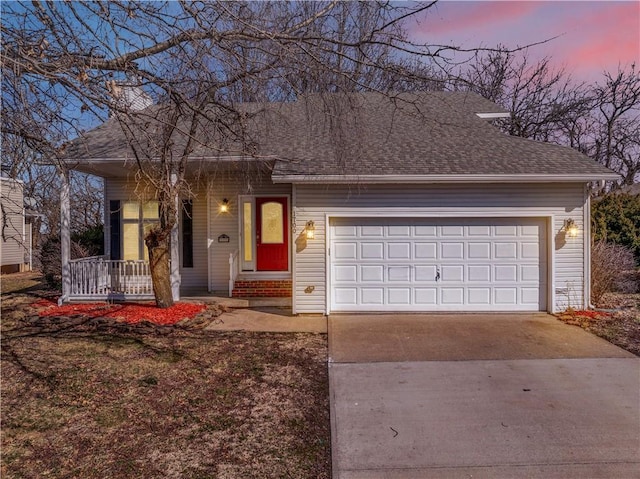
(268, 319)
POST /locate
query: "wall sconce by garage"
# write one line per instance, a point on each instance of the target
(570, 228)
(310, 229)
(224, 206)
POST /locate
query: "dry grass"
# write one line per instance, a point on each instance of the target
(93, 398)
(619, 323)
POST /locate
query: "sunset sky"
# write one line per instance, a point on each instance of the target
(593, 36)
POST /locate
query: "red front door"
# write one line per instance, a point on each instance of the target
(272, 234)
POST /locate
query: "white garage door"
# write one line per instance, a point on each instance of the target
(474, 264)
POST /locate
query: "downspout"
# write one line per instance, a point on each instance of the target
(587, 248)
(65, 235)
(23, 243)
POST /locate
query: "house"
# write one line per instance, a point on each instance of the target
(364, 202)
(16, 244)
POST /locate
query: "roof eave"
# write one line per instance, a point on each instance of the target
(405, 179)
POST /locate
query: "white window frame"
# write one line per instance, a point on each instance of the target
(141, 222)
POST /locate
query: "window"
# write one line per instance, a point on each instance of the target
(130, 221)
(271, 223)
(247, 231)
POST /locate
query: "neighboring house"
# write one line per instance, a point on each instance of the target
(16, 235)
(366, 203)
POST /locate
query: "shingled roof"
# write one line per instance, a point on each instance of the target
(374, 137)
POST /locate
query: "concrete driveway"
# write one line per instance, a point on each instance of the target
(480, 396)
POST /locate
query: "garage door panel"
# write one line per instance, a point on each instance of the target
(372, 296)
(452, 296)
(530, 250)
(507, 272)
(530, 296)
(372, 231)
(426, 296)
(344, 231)
(399, 250)
(452, 273)
(479, 231)
(425, 273)
(530, 230)
(372, 273)
(346, 273)
(345, 251)
(479, 296)
(372, 250)
(401, 231)
(452, 250)
(452, 230)
(399, 273)
(346, 296)
(399, 296)
(424, 251)
(479, 250)
(413, 264)
(530, 272)
(425, 231)
(479, 273)
(506, 231)
(504, 296)
(505, 250)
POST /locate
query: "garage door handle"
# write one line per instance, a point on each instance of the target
(437, 274)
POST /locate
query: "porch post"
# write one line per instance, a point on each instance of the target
(65, 234)
(175, 246)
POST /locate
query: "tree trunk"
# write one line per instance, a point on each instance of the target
(159, 263)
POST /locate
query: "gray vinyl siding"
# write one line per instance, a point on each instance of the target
(231, 188)
(561, 201)
(192, 279)
(13, 246)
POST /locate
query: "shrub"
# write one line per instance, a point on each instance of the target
(92, 239)
(615, 218)
(50, 259)
(612, 269)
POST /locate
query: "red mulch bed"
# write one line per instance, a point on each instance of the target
(127, 312)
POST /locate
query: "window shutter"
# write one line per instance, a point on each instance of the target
(187, 234)
(114, 226)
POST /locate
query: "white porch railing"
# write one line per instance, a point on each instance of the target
(99, 278)
(233, 270)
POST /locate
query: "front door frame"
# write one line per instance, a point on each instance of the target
(251, 267)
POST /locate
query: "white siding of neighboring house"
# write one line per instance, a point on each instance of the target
(231, 188)
(13, 245)
(560, 201)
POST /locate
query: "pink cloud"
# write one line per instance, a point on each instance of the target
(615, 39)
(590, 37)
(465, 16)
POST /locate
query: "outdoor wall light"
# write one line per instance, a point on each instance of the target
(310, 229)
(224, 206)
(570, 228)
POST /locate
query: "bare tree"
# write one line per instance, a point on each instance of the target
(601, 120)
(616, 141)
(198, 61)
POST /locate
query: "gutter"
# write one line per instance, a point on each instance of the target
(394, 179)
